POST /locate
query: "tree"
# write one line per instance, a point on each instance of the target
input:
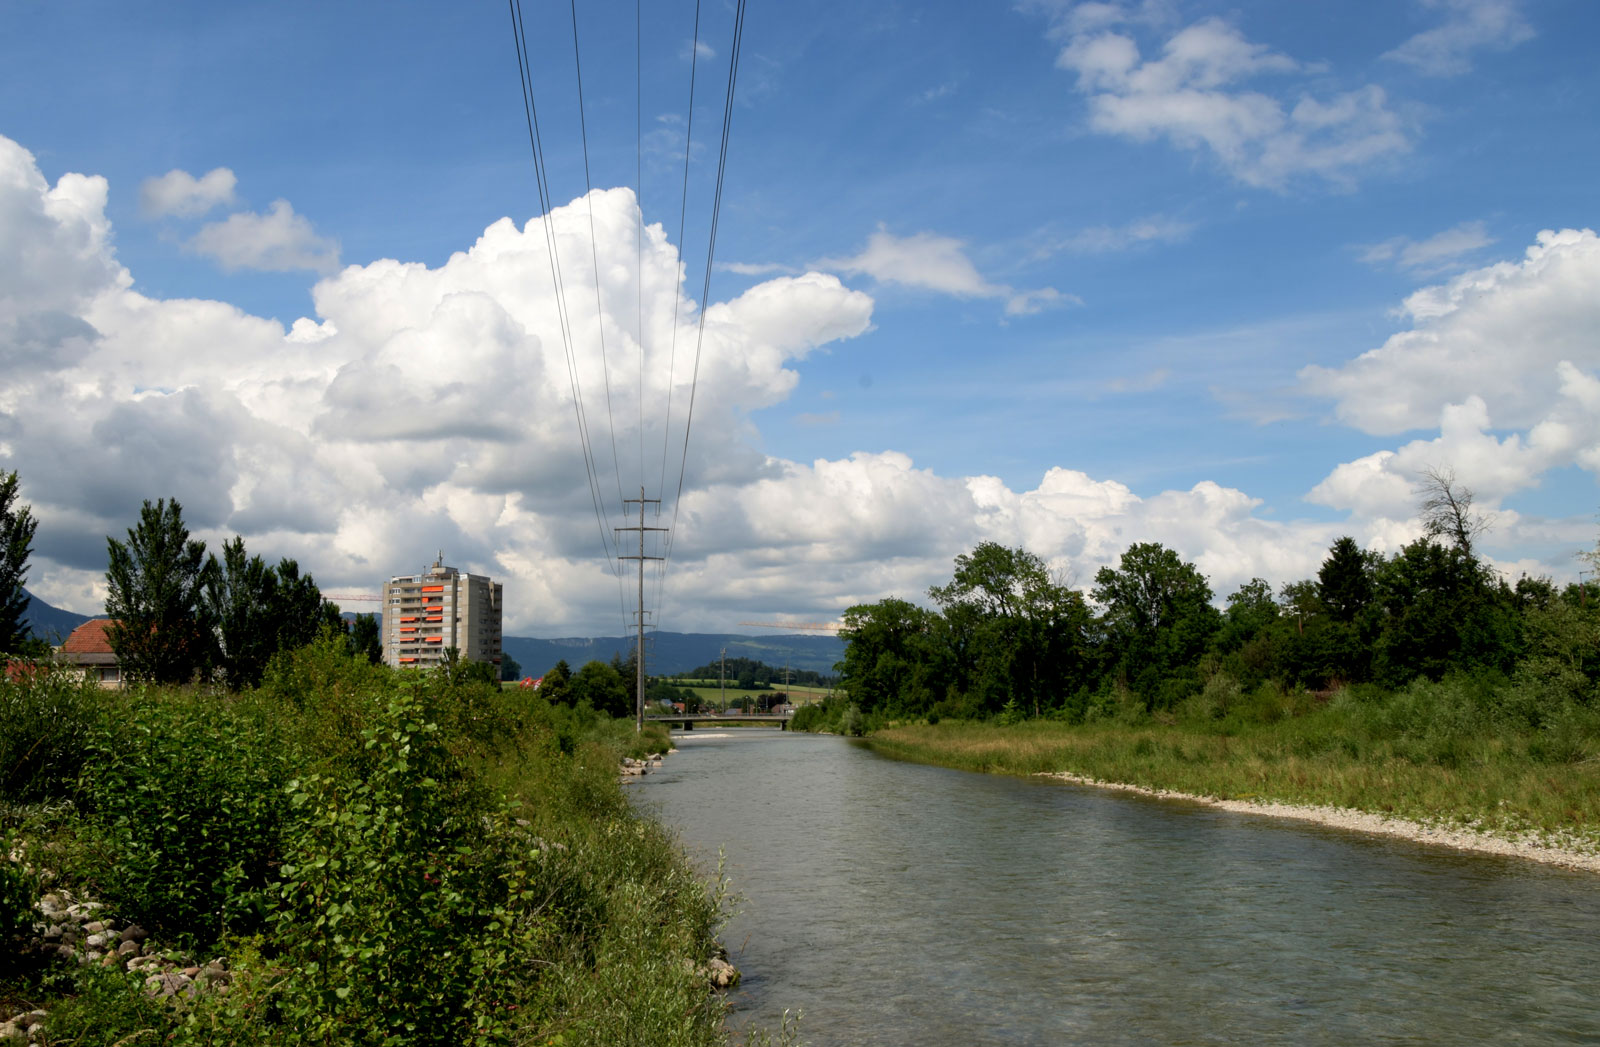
(557, 686)
(154, 587)
(1447, 509)
(510, 669)
(260, 610)
(885, 645)
(602, 687)
(1345, 581)
(299, 608)
(1018, 634)
(1442, 610)
(1158, 619)
(366, 639)
(16, 542)
(241, 597)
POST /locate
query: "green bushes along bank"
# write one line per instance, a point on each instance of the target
(374, 857)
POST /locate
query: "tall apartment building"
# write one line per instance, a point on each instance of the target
(424, 614)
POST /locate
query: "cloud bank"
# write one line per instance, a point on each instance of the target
(424, 408)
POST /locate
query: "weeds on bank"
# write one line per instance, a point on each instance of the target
(379, 858)
(1461, 750)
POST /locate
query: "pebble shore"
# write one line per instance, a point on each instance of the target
(1531, 846)
(79, 932)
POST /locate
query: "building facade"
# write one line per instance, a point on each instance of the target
(88, 650)
(426, 614)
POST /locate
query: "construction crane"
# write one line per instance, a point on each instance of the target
(821, 627)
(352, 597)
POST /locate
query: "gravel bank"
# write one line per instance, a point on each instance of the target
(1534, 847)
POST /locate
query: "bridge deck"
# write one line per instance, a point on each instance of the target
(690, 719)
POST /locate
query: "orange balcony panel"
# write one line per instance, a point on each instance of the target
(433, 588)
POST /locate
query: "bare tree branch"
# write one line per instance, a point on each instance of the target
(1446, 508)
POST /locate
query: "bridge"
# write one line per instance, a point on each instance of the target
(689, 720)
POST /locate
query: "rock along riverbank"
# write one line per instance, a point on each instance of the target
(1548, 849)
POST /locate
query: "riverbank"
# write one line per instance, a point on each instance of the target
(1490, 798)
(1532, 846)
(365, 854)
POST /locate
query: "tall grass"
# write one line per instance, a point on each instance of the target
(1462, 750)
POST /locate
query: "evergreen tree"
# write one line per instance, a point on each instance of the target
(155, 584)
(1345, 581)
(241, 597)
(299, 608)
(16, 542)
(366, 639)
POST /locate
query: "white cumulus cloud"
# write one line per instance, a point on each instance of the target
(1500, 370)
(1195, 96)
(278, 241)
(179, 194)
(937, 263)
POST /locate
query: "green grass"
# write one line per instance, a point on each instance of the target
(1345, 754)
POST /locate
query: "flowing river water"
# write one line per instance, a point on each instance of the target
(894, 903)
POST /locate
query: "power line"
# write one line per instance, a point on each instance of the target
(711, 250)
(683, 211)
(594, 253)
(638, 201)
(530, 111)
(677, 299)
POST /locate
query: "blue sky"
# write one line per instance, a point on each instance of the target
(1064, 275)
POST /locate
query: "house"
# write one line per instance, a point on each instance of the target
(89, 649)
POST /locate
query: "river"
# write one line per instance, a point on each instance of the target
(893, 903)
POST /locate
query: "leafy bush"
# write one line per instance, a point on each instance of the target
(851, 724)
(187, 806)
(18, 892)
(46, 717)
(108, 1009)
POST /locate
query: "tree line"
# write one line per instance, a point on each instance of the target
(749, 674)
(178, 613)
(1006, 638)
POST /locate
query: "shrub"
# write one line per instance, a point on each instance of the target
(18, 892)
(851, 723)
(186, 800)
(382, 894)
(46, 719)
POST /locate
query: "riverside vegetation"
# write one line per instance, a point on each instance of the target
(372, 856)
(1417, 685)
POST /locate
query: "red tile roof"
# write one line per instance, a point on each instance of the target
(89, 638)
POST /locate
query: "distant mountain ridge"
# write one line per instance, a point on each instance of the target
(50, 623)
(665, 652)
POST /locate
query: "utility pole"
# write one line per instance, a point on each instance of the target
(722, 682)
(638, 697)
